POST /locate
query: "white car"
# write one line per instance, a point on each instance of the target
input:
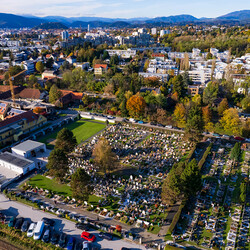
(31, 229)
(85, 245)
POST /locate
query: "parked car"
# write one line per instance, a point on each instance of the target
(25, 226)
(106, 236)
(54, 237)
(160, 125)
(31, 229)
(2, 217)
(141, 122)
(38, 230)
(88, 236)
(71, 243)
(46, 236)
(86, 245)
(239, 138)
(82, 226)
(11, 222)
(169, 126)
(62, 240)
(125, 248)
(48, 221)
(78, 246)
(19, 223)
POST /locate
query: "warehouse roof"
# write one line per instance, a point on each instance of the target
(18, 161)
(27, 146)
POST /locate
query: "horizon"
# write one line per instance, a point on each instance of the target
(123, 9)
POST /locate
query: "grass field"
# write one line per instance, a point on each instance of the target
(41, 181)
(82, 130)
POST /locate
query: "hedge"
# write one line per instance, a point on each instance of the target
(205, 155)
(176, 217)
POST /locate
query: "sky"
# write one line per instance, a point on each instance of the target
(122, 8)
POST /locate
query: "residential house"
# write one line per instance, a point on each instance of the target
(100, 69)
(68, 98)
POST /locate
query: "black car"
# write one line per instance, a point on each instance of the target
(25, 226)
(54, 237)
(62, 240)
(153, 123)
(18, 223)
(82, 226)
(106, 236)
(125, 248)
(48, 221)
(78, 246)
(46, 236)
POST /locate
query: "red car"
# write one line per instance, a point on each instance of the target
(239, 138)
(87, 236)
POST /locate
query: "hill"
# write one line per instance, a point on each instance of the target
(237, 15)
(173, 19)
(15, 21)
(51, 25)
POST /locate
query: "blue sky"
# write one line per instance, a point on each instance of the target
(123, 8)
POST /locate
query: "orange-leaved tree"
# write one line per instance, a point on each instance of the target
(136, 105)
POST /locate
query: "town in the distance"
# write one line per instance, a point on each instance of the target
(125, 137)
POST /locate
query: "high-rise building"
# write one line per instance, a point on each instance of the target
(164, 32)
(65, 35)
(153, 31)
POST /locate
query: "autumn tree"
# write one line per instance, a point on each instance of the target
(54, 94)
(38, 110)
(230, 122)
(39, 67)
(207, 114)
(180, 114)
(80, 185)
(58, 164)
(136, 105)
(210, 93)
(104, 157)
(65, 140)
(223, 106)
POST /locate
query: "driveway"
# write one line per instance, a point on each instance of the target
(19, 209)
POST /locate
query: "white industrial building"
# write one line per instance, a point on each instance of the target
(29, 148)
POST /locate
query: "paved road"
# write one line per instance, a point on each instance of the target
(19, 209)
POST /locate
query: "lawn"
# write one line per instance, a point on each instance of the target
(41, 181)
(82, 130)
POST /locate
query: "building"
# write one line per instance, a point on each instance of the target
(49, 74)
(164, 32)
(194, 90)
(122, 53)
(65, 35)
(68, 98)
(16, 163)
(32, 94)
(13, 128)
(153, 31)
(158, 56)
(100, 69)
(28, 149)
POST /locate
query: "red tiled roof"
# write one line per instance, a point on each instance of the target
(105, 66)
(30, 93)
(29, 116)
(157, 55)
(75, 95)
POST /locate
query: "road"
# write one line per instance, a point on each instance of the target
(19, 209)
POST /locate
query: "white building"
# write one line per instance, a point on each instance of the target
(164, 32)
(153, 31)
(16, 163)
(28, 148)
(122, 53)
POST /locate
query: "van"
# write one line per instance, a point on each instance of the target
(38, 230)
(31, 229)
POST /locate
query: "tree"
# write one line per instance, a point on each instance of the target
(104, 157)
(136, 105)
(50, 63)
(58, 164)
(54, 94)
(65, 140)
(194, 125)
(230, 122)
(38, 110)
(246, 104)
(236, 152)
(114, 60)
(180, 114)
(39, 67)
(210, 93)
(223, 106)
(207, 114)
(178, 85)
(243, 192)
(161, 116)
(80, 185)
(191, 179)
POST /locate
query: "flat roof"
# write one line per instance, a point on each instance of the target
(15, 160)
(28, 146)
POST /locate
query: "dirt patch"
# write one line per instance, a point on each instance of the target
(51, 141)
(6, 245)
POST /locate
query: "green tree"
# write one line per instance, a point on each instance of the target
(210, 93)
(39, 67)
(195, 123)
(114, 60)
(58, 164)
(66, 140)
(191, 179)
(236, 152)
(80, 185)
(243, 192)
(54, 94)
(178, 86)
